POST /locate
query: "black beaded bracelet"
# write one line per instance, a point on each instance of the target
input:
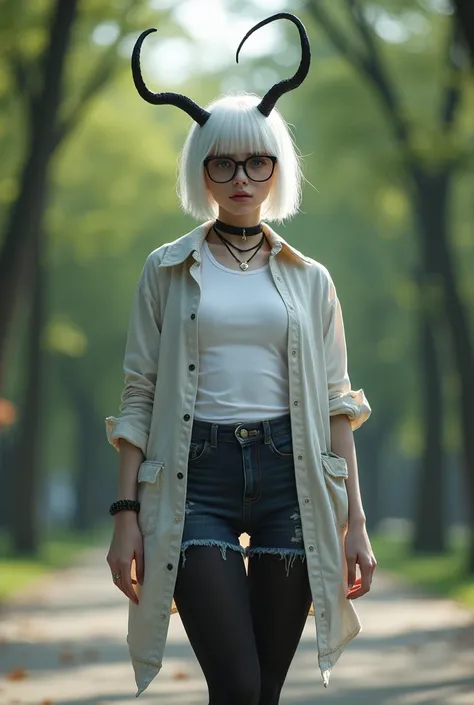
(122, 504)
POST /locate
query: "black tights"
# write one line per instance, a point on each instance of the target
(244, 630)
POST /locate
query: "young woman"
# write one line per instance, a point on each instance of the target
(237, 416)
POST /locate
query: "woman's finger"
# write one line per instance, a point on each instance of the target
(366, 575)
(139, 564)
(127, 588)
(351, 569)
(125, 582)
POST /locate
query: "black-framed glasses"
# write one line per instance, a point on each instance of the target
(258, 167)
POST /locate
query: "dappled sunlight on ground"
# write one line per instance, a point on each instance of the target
(63, 643)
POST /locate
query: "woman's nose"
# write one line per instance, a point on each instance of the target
(240, 174)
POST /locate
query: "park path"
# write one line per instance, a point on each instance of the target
(62, 643)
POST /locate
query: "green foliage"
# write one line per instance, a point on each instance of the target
(443, 575)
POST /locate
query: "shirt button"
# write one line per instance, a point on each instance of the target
(186, 417)
(193, 316)
(170, 566)
(295, 403)
(180, 476)
(192, 367)
(306, 500)
(300, 457)
(177, 520)
(293, 352)
(310, 548)
(323, 614)
(279, 279)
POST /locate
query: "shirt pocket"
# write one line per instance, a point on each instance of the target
(149, 487)
(335, 476)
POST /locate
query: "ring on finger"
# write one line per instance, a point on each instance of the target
(116, 577)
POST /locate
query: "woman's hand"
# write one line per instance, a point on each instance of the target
(359, 551)
(126, 546)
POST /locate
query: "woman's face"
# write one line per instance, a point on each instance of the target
(241, 197)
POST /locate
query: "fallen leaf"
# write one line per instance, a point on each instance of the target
(180, 676)
(18, 674)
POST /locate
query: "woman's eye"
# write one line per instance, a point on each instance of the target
(223, 164)
(255, 163)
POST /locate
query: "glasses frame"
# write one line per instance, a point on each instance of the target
(240, 163)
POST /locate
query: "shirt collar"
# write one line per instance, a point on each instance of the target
(179, 250)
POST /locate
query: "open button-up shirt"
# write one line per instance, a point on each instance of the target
(161, 368)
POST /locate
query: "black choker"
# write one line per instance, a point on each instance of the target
(236, 230)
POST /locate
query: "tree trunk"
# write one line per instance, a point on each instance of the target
(6, 461)
(430, 514)
(465, 15)
(24, 526)
(433, 198)
(26, 213)
(89, 434)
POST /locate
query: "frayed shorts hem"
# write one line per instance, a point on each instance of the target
(289, 555)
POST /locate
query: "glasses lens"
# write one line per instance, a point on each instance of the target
(259, 168)
(221, 169)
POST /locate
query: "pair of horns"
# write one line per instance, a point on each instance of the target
(200, 115)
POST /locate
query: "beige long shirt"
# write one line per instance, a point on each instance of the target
(161, 368)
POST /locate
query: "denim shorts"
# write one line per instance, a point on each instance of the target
(241, 478)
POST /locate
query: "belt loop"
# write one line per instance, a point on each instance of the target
(214, 428)
(267, 432)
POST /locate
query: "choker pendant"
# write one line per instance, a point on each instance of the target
(244, 266)
(244, 233)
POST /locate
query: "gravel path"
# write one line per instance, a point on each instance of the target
(63, 642)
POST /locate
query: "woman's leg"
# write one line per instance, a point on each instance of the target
(212, 598)
(280, 605)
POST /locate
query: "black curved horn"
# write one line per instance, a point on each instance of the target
(288, 84)
(194, 110)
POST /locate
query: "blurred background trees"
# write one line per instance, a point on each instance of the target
(385, 124)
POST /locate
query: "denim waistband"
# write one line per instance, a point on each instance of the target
(261, 431)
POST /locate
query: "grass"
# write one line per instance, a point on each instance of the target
(58, 551)
(442, 574)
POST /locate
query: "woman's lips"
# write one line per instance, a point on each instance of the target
(240, 197)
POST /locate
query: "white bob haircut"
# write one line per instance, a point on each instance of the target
(236, 125)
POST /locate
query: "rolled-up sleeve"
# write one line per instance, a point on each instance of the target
(140, 368)
(342, 399)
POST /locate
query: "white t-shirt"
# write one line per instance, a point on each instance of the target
(243, 338)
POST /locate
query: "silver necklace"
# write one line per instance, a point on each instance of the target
(243, 265)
